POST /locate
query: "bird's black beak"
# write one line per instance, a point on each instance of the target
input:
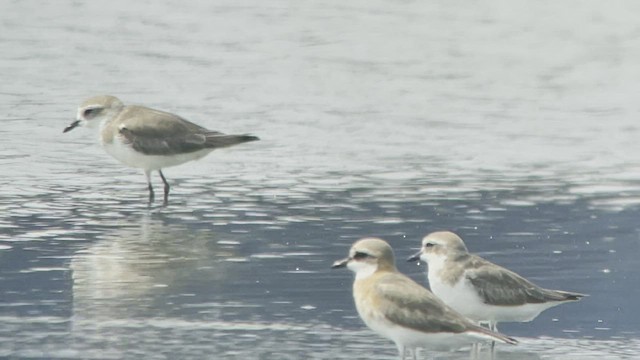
(72, 126)
(340, 263)
(415, 257)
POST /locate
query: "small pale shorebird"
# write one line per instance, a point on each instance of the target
(480, 290)
(149, 139)
(400, 309)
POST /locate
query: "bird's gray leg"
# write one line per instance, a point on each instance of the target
(493, 326)
(147, 174)
(401, 351)
(475, 351)
(166, 186)
(476, 348)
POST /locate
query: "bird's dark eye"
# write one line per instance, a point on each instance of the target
(91, 112)
(360, 255)
(428, 245)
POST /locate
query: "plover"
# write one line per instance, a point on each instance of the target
(480, 290)
(400, 309)
(149, 139)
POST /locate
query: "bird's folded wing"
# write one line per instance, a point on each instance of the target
(408, 304)
(154, 132)
(499, 286)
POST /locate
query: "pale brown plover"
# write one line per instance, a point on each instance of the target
(400, 309)
(479, 289)
(149, 139)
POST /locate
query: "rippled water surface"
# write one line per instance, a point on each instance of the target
(515, 124)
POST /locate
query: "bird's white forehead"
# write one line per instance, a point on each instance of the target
(430, 238)
(83, 107)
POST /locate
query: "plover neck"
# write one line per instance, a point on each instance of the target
(445, 268)
(362, 270)
(108, 130)
(436, 263)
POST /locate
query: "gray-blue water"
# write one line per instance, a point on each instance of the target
(514, 123)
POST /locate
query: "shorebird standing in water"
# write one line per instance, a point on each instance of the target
(149, 139)
(480, 289)
(403, 311)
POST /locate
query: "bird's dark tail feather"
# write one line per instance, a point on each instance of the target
(571, 296)
(221, 140)
(494, 336)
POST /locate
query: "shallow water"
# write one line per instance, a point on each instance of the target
(511, 123)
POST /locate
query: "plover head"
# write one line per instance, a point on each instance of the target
(438, 246)
(368, 256)
(94, 110)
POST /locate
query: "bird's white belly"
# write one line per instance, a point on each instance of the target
(410, 338)
(463, 298)
(128, 156)
(460, 297)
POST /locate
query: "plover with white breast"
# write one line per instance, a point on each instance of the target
(400, 309)
(149, 139)
(480, 289)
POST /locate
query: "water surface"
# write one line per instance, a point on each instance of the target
(511, 123)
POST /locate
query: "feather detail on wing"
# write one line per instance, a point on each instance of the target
(154, 132)
(408, 304)
(498, 286)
